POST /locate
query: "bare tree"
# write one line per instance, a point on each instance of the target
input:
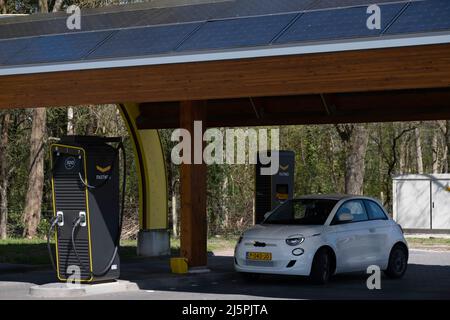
(390, 159)
(92, 124)
(43, 6)
(355, 138)
(174, 184)
(435, 151)
(57, 5)
(404, 150)
(4, 173)
(3, 7)
(70, 126)
(419, 155)
(33, 198)
(444, 129)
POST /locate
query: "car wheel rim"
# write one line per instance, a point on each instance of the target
(399, 262)
(325, 268)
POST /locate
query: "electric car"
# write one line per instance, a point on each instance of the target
(322, 235)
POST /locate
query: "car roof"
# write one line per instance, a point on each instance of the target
(336, 197)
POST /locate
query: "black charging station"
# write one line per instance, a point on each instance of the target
(271, 190)
(88, 209)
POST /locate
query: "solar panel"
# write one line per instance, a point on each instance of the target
(115, 20)
(30, 29)
(327, 4)
(88, 23)
(9, 48)
(144, 41)
(424, 16)
(242, 8)
(192, 13)
(240, 32)
(337, 24)
(68, 47)
(111, 20)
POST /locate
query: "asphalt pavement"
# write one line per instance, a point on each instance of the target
(428, 277)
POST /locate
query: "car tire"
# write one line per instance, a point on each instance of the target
(398, 263)
(321, 267)
(250, 277)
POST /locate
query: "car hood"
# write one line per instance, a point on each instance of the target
(277, 231)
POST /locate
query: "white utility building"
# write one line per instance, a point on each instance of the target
(422, 202)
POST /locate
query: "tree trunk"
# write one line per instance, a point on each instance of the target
(223, 205)
(70, 129)
(447, 143)
(43, 6)
(444, 131)
(33, 199)
(91, 127)
(2, 6)
(419, 156)
(174, 208)
(435, 152)
(355, 138)
(5, 122)
(57, 5)
(403, 154)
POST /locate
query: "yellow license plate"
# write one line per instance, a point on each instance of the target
(262, 256)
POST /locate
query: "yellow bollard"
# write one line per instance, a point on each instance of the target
(179, 265)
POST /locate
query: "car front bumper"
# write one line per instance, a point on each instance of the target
(283, 260)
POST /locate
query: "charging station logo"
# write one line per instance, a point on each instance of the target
(103, 169)
(69, 163)
(284, 171)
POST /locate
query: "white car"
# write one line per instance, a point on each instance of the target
(322, 235)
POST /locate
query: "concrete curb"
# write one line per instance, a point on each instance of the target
(430, 248)
(63, 290)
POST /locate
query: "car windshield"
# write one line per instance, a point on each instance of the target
(302, 212)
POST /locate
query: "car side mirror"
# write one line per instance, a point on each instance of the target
(345, 217)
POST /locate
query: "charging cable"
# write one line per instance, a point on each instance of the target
(55, 220)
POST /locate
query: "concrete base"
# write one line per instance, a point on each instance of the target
(199, 270)
(153, 243)
(64, 290)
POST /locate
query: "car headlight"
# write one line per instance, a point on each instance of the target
(295, 240)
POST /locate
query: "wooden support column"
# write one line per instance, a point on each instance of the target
(193, 192)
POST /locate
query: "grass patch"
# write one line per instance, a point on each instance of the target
(34, 252)
(24, 251)
(428, 241)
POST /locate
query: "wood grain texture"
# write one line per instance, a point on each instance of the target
(193, 224)
(353, 71)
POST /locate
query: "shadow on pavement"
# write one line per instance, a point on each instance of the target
(420, 282)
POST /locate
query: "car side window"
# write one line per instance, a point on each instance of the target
(356, 208)
(374, 211)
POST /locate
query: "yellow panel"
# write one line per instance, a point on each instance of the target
(151, 169)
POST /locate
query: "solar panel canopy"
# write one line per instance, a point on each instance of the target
(184, 27)
(337, 24)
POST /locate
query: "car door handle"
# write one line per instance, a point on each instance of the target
(372, 230)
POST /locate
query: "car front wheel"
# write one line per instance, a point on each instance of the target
(398, 263)
(321, 267)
